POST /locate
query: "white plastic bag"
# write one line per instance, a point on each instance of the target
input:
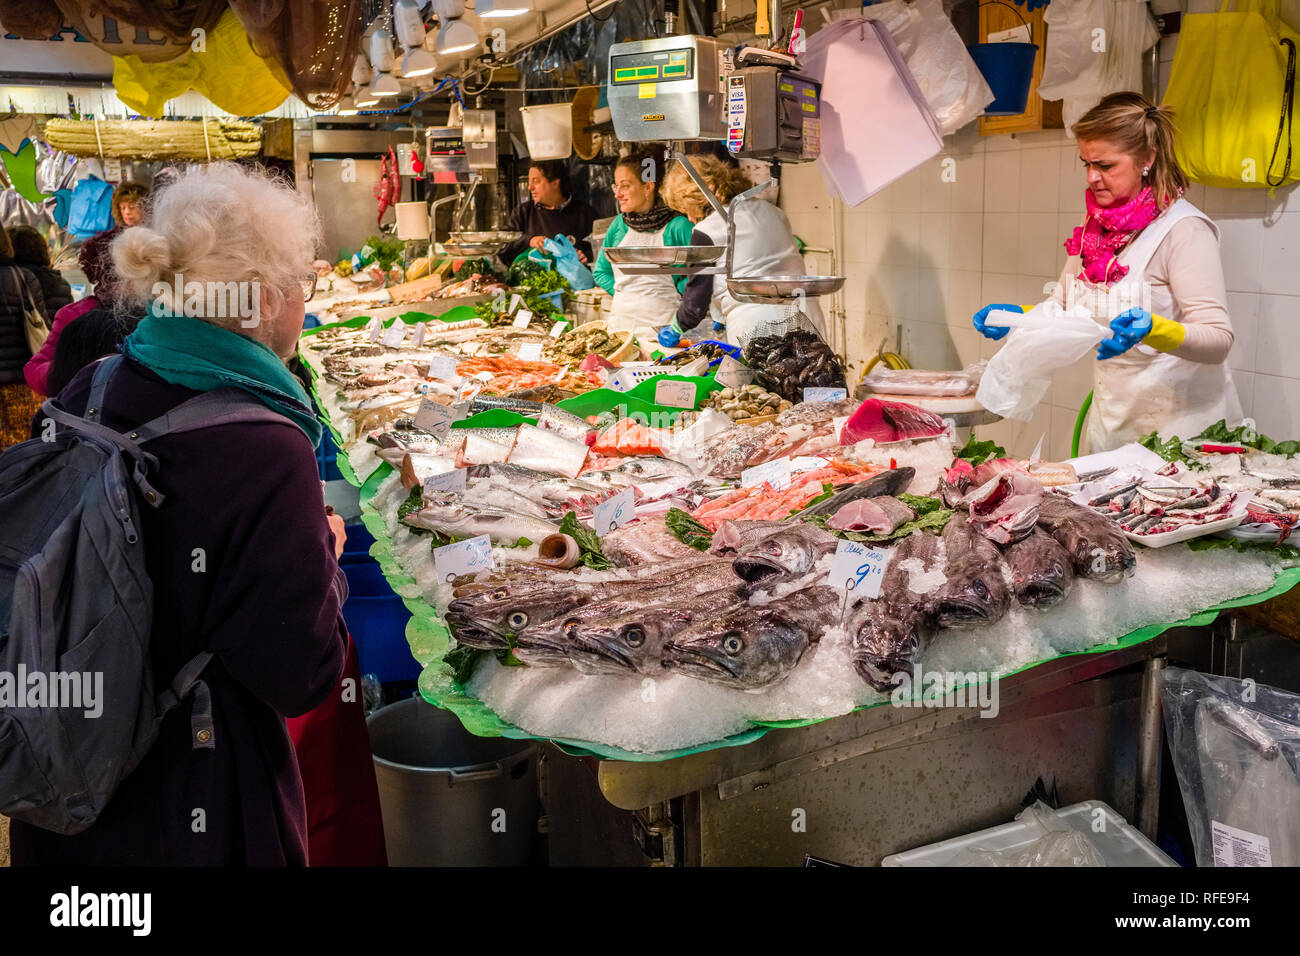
(1042, 340)
(1055, 843)
(953, 86)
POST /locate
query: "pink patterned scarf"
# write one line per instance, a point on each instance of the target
(1106, 231)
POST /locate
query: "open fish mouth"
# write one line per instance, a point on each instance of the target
(483, 640)
(594, 652)
(1040, 594)
(541, 651)
(881, 672)
(753, 568)
(701, 662)
(955, 612)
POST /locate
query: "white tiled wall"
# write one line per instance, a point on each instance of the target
(924, 254)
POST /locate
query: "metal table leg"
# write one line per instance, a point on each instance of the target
(1150, 741)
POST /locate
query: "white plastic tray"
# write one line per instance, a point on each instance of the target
(1118, 843)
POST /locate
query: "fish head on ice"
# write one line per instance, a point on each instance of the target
(629, 644)
(972, 599)
(793, 550)
(504, 611)
(750, 648)
(886, 642)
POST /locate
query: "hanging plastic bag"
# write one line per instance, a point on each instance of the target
(1235, 120)
(1236, 751)
(568, 265)
(953, 86)
(1042, 340)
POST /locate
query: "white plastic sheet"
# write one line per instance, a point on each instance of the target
(1042, 340)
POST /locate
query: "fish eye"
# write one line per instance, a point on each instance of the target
(569, 626)
(732, 644)
(634, 635)
(498, 595)
(1057, 569)
(517, 619)
(980, 588)
(772, 548)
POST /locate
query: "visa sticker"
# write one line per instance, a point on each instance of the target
(464, 557)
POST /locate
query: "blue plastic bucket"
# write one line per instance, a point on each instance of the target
(1009, 70)
(556, 298)
(376, 618)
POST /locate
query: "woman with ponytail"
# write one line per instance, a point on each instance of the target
(1145, 262)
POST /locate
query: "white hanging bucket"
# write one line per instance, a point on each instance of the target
(548, 130)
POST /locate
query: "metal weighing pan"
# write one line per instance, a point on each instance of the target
(470, 244)
(781, 288)
(665, 255)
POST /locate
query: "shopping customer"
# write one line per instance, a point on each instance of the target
(1145, 263)
(20, 294)
(97, 266)
(128, 204)
(32, 252)
(240, 554)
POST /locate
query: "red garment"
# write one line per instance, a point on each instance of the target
(37, 369)
(344, 826)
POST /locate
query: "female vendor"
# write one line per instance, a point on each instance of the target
(764, 246)
(642, 303)
(1146, 264)
(549, 210)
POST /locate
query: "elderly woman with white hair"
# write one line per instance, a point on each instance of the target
(240, 554)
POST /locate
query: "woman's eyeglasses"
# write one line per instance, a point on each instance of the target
(308, 287)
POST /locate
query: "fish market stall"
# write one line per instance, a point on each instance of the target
(723, 603)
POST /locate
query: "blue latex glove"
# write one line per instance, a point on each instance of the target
(719, 326)
(1129, 329)
(1033, 4)
(993, 332)
(670, 335)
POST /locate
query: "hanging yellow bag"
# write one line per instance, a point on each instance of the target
(1232, 89)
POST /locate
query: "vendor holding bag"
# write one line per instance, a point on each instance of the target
(550, 210)
(642, 303)
(1146, 264)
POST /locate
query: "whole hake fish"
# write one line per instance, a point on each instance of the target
(888, 634)
(976, 593)
(1041, 570)
(1097, 548)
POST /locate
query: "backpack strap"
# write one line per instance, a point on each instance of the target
(202, 736)
(222, 406)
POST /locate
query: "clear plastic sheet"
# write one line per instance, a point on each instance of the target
(1236, 751)
(1056, 844)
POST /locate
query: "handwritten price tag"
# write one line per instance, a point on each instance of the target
(434, 418)
(825, 394)
(443, 368)
(395, 335)
(776, 473)
(732, 374)
(675, 394)
(522, 318)
(859, 569)
(464, 557)
(453, 480)
(531, 351)
(516, 301)
(376, 328)
(421, 330)
(615, 512)
(558, 328)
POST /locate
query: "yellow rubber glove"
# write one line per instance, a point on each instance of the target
(1165, 335)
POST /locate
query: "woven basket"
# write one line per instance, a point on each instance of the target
(198, 140)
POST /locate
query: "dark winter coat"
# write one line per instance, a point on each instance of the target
(14, 352)
(242, 563)
(54, 287)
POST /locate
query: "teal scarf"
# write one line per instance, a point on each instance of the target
(199, 355)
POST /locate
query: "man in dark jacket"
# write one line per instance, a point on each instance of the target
(550, 210)
(33, 253)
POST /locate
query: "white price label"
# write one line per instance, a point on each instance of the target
(1234, 847)
(732, 374)
(675, 394)
(530, 352)
(434, 418)
(421, 330)
(558, 328)
(395, 335)
(775, 473)
(615, 512)
(113, 170)
(443, 368)
(453, 480)
(620, 380)
(859, 569)
(825, 394)
(522, 318)
(376, 328)
(808, 463)
(516, 301)
(464, 557)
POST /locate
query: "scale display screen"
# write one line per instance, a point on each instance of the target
(657, 66)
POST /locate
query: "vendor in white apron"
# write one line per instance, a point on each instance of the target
(1146, 264)
(765, 246)
(642, 303)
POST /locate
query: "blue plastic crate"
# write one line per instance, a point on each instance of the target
(376, 618)
(733, 350)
